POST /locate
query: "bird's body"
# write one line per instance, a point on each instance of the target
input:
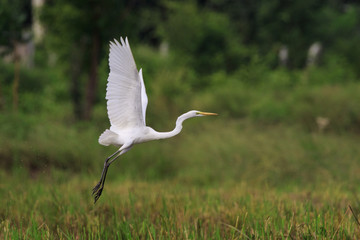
(126, 104)
(119, 137)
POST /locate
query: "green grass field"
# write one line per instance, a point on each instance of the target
(254, 182)
(61, 208)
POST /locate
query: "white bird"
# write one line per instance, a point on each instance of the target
(126, 105)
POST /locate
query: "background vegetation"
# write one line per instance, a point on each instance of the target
(280, 161)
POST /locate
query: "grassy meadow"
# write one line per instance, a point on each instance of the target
(220, 179)
(48, 208)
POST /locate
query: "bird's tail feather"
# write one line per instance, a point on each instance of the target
(107, 137)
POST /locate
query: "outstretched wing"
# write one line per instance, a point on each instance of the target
(124, 88)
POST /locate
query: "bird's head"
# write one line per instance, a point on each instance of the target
(191, 114)
(194, 113)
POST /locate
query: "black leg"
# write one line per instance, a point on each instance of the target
(102, 174)
(97, 190)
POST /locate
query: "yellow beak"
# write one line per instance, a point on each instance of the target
(208, 114)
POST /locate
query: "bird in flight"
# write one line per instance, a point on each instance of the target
(126, 106)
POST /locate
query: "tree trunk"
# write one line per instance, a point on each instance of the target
(93, 76)
(75, 73)
(15, 89)
(1, 99)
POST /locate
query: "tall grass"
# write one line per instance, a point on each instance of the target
(36, 209)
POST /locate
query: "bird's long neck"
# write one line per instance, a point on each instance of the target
(176, 130)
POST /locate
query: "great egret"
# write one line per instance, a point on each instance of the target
(126, 105)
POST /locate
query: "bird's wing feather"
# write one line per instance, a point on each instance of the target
(144, 98)
(123, 92)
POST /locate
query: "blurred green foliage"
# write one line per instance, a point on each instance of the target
(223, 57)
(15, 16)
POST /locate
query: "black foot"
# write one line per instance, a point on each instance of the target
(97, 190)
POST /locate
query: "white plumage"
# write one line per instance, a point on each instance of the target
(123, 92)
(126, 105)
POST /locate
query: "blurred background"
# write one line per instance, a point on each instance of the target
(283, 75)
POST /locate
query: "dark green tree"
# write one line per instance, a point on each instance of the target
(203, 38)
(79, 33)
(15, 22)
